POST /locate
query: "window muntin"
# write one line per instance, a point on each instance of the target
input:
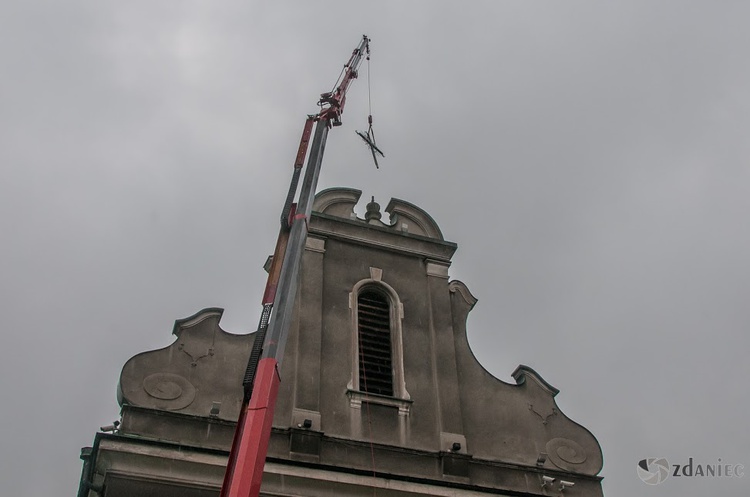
(375, 342)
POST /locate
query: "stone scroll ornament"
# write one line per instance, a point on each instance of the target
(170, 391)
(565, 453)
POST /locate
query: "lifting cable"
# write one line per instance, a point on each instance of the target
(369, 136)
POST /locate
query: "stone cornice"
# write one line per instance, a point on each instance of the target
(358, 232)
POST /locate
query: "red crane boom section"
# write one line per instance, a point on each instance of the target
(261, 383)
(337, 99)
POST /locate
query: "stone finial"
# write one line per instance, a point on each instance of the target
(373, 211)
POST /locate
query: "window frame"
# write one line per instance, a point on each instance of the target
(400, 397)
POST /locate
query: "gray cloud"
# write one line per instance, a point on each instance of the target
(589, 159)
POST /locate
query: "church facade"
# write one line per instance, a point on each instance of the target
(380, 393)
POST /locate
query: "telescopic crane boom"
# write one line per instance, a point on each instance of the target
(261, 382)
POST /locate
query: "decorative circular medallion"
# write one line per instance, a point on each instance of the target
(172, 391)
(162, 389)
(565, 453)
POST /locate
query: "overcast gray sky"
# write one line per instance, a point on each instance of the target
(589, 158)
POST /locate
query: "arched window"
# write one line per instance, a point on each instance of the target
(374, 337)
(377, 345)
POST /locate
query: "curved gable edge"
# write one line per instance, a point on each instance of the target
(522, 372)
(460, 287)
(339, 202)
(401, 210)
(209, 312)
(527, 425)
(203, 366)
